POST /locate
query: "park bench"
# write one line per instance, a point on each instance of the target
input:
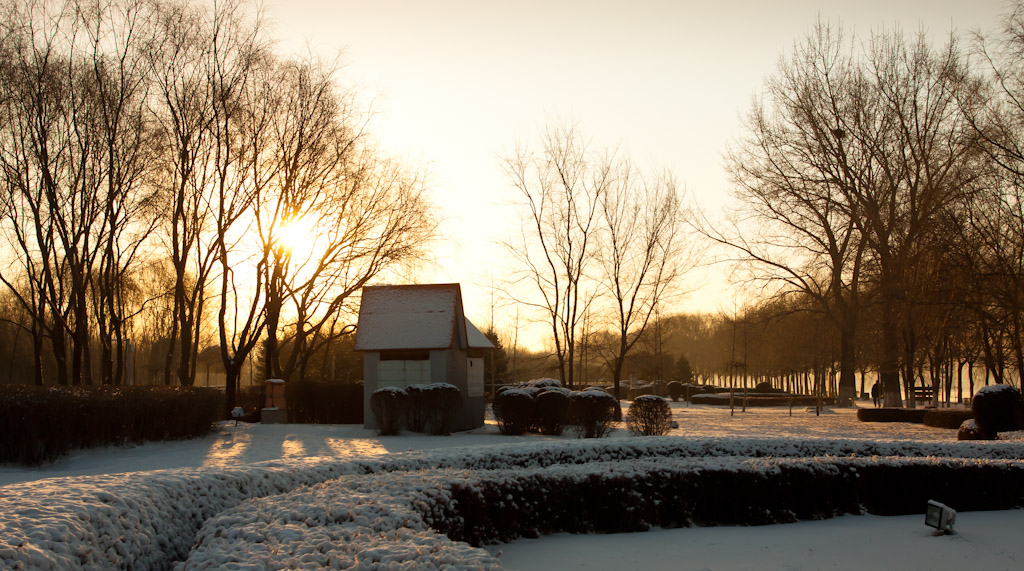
(923, 393)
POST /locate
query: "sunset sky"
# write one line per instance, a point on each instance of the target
(456, 84)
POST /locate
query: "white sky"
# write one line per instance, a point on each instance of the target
(458, 82)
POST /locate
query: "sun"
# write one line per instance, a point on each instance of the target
(298, 237)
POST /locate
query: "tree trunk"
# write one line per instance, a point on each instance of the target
(889, 367)
(847, 365)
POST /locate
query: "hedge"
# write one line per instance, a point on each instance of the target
(914, 415)
(946, 417)
(40, 424)
(150, 520)
(312, 402)
(494, 507)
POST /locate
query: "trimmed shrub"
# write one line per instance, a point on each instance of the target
(914, 415)
(443, 400)
(311, 402)
(389, 406)
(649, 415)
(417, 416)
(997, 408)
(551, 411)
(592, 412)
(675, 390)
(514, 411)
(40, 424)
(946, 417)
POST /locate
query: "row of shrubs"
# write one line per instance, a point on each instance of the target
(419, 408)
(545, 406)
(532, 503)
(40, 424)
(994, 409)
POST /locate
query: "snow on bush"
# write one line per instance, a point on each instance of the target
(592, 412)
(551, 411)
(513, 410)
(389, 406)
(148, 520)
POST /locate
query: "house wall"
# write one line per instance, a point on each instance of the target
(446, 366)
(471, 415)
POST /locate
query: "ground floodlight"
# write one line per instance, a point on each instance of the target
(940, 516)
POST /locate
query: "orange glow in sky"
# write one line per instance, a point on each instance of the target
(457, 83)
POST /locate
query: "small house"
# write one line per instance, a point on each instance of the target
(412, 334)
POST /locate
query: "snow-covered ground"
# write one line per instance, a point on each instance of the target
(984, 540)
(273, 462)
(251, 443)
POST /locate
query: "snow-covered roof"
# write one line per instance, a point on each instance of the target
(475, 338)
(423, 316)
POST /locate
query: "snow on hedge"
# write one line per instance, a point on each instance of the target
(148, 520)
(390, 520)
(362, 522)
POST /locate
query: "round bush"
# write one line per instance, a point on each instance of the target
(592, 412)
(649, 415)
(389, 406)
(997, 408)
(551, 410)
(514, 410)
(969, 431)
(675, 390)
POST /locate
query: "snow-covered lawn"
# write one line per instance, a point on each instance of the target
(988, 541)
(252, 443)
(246, 483)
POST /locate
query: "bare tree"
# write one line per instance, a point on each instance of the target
(123, 154)
(181, 55)
(924, 159)
(562, 187)
(857, 159)
(333, 215)
(640, 255)
(796, 231)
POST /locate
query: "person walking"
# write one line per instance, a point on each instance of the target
(874, 394)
